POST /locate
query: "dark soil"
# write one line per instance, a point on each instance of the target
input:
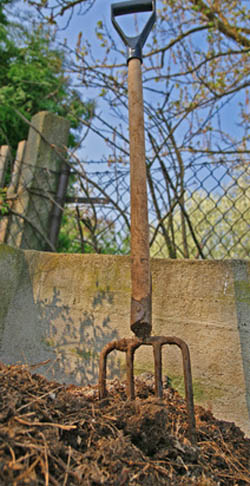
(52, 434)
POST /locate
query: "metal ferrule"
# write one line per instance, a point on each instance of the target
(134, 53)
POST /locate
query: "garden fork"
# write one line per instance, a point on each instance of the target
(141, 299)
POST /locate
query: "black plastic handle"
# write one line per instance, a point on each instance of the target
(124, 8)
(134, 44)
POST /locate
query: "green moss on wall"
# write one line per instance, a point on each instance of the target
(242, 290)
(86, 355)
(202, 392)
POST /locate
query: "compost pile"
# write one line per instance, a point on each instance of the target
(57, 435)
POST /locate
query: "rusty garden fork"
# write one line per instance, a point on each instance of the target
(141, 299)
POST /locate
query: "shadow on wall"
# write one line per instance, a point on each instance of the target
(77, 342)
(242, 299)
(36, 330)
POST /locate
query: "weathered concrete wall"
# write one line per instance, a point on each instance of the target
(66, 307)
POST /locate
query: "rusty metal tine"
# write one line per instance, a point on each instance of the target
(102, 376)
(125, 345)
(102, 373)
(188, 390)
(130, 388)
(103, 367)
(187, 380)
(158, 368)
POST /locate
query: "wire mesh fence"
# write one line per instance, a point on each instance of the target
(206, 215)
(202, 213)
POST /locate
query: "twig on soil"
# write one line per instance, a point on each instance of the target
(45, 424)
(67, 467)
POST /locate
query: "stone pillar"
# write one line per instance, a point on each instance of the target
(44, 156)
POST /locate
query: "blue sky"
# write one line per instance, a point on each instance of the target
(86, 24)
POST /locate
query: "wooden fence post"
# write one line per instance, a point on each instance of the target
(36, 186)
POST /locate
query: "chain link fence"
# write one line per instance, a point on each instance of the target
(206, 215)
(200, 210)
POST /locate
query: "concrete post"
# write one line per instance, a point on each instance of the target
(4, 159)
(44, 155)
(7, 220)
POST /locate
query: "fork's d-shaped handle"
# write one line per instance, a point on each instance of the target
(134, 44)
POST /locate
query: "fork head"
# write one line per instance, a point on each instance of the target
(129, 346)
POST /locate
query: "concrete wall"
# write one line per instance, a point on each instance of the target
(64, 308)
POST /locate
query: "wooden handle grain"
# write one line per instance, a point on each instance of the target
(140, 261)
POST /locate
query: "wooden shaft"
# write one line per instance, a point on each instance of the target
(140, 261)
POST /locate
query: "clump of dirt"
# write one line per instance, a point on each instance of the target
(56, 435)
